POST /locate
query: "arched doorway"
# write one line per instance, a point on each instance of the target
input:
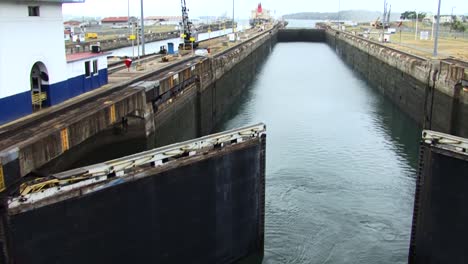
(39, 85)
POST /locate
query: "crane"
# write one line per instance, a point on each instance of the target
(187, 28)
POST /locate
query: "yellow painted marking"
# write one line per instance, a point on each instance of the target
(2, 180)
(112, 115)
(132, 37)
(64, 137)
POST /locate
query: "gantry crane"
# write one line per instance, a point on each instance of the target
(186, 24)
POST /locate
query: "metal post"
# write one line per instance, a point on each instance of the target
(128, 16)
(138, 43)
(436, 39)
(232, 16)
(400, 35)
(452, 19)
(133, 41)
(416, 30)
(142, 30)
(433, 22)
(339, 17)
(383, 21)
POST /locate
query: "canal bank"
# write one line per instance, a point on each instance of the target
(430, 91)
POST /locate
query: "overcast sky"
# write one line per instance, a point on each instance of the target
(243, 7)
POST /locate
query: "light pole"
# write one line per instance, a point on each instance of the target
(232, 16)
(432, 29)
(452, 19)
(436, 39)
(339, 17)
(128, 16)
(130, 29)
(142, 30)
(416, 30)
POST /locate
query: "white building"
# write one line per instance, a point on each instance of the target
(118, 22)
(446, 19)
(34, 70)
(163, 20)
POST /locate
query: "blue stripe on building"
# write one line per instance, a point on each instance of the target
(60, 92)
(15, 106)
(19, 105)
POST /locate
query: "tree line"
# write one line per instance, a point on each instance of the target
(456, 24)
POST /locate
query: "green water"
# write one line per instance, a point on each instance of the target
(341, 160)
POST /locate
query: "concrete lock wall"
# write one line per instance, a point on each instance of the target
(198, 110)
(206, 208)
(68, 136)
(412, 83)
(71, 135)
(194, 110)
